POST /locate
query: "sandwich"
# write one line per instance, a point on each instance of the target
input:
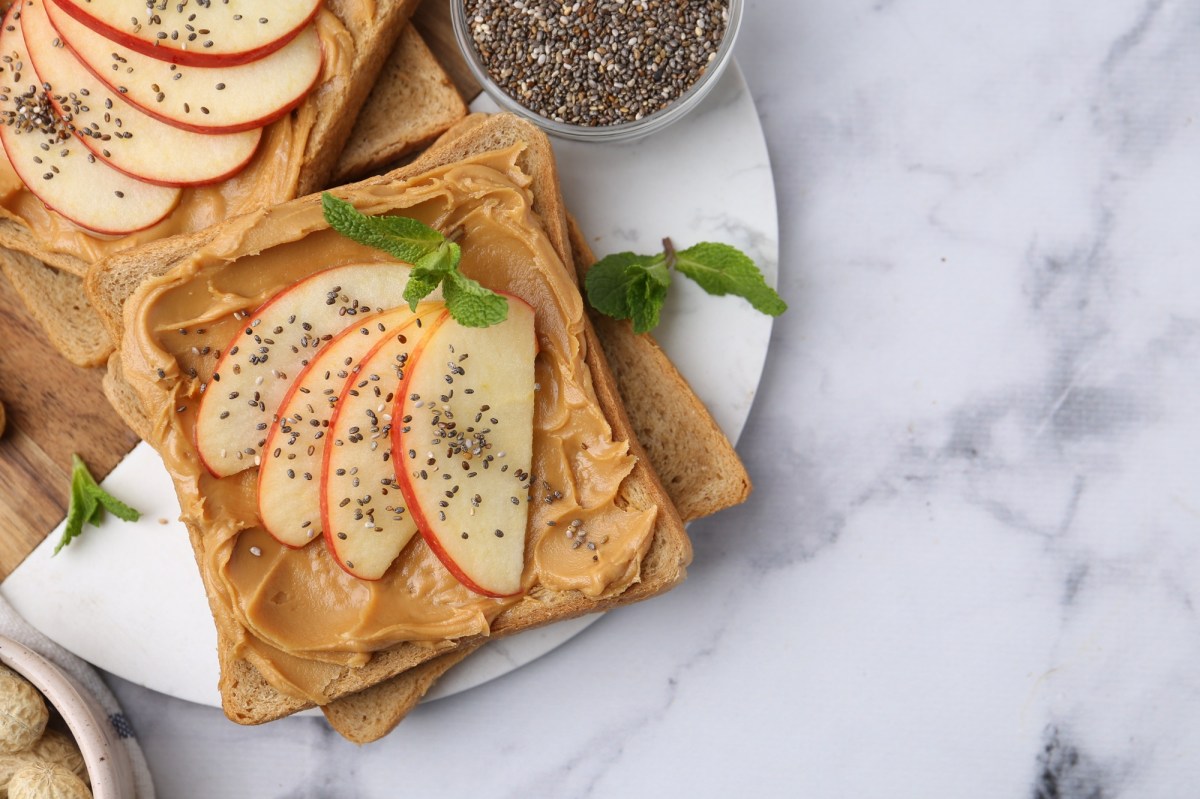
(170, 139)
(692, 457)
(600, 529)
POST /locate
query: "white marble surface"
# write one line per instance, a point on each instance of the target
(970, 564)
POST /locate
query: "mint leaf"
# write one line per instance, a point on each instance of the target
(116, 507)
(647, 293)
(434, 259)
(429, 272)
(721, 269)
(87, 505)
(404, 238)
(630, 286)
(471, 304)
(608, 283)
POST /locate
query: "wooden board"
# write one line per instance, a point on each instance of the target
(55, 409)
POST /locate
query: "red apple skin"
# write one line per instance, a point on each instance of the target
(27, 179)
(259, 122)
(190, 58)
(95, 147)
(234, 172)
(262, 121)
(410, 496)
(430, 324)
(101, 231)
(221, 362)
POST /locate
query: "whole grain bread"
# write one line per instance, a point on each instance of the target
(413, 102)
(247, 697)
(44, 278)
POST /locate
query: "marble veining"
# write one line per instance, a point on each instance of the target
(970, 564)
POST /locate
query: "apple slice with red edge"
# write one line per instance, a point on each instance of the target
(117, 132)
(290, 477)
(363, 512)
(273, 344)
(203, 99)
(463, 450)
(55, 166)
(196, 32)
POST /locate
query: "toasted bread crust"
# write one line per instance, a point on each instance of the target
(413, 102)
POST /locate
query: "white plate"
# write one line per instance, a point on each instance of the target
(128, 598)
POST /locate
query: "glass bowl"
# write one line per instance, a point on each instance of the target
(623, 131)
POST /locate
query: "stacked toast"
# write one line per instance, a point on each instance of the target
(681, 466)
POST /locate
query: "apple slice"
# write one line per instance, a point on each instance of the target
(196, 32)
(204, 99)
(274, 344)
(362, 509)
(54, 165)
(463, 451)
(289, 502)
(117, 132)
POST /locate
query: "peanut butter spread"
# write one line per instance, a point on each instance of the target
(297, 616)
(271, 176)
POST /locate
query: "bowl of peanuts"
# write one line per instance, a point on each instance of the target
(56, 742)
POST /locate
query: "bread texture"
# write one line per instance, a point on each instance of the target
(247, 696)
(48, 281)
(372, 713)
(413, 102)
(56, 299)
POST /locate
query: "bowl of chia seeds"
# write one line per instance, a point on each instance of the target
(597, 70)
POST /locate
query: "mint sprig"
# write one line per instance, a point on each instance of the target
(88, 503)
(630, 286)
(433, 257)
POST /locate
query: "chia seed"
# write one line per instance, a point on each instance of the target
(596, 63)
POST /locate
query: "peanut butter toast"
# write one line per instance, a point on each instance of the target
(498, 187)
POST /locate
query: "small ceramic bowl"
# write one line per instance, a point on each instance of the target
(624, 131)
(105, 756)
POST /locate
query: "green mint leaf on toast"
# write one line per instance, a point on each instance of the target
(471, 304)
(721, 269)
(88, 503)
(435, 261)
(429, 271)
(630, 286)
(404, 238)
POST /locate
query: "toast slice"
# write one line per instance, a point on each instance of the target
(693, 458)
(56, 300)
(248, 696)
(365, 33)
(714, 481)
(413, 103)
